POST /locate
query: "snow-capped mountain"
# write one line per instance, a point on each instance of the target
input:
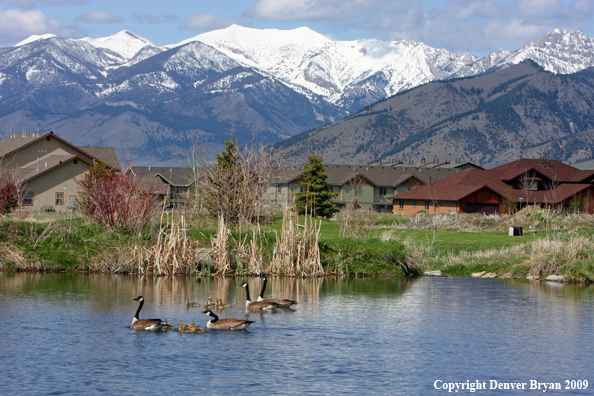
(254, 82)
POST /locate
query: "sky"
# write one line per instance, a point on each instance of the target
(475, 26)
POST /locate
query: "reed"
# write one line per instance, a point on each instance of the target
(174, 252)
(297, 252)
(221, 254)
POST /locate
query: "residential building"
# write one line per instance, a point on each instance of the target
(370, 186)
(542, 182)
(50, 167)
(173, 184)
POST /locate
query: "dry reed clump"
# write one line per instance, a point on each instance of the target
(549, 257)
(220, 254)
(116, 259)
(297, 252)
(356, 222)
(173, 253)
(542, 257)
(14, 259)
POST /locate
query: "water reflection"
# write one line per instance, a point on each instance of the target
(400, 336)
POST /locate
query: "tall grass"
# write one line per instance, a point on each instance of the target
(297, 252)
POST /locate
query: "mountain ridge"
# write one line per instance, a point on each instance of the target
(254, 84)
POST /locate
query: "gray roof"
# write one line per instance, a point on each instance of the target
(380, 176)
(181, 177)
(104, 154)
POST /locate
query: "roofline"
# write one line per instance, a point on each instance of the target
(60, 139)
(57, 166)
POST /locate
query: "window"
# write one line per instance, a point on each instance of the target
(400, 204)
(383, 191)
(533, 185)
(414, 203)
(426, 205)
(358, 190)
(59, 198)
(28, 198)
(72, 204)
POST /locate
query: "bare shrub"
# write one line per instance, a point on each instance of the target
(112, 199)
(11, 190)
(355, 222)
(234, 186)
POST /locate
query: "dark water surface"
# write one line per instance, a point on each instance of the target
(67, 334)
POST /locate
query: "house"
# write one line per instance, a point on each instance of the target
(369, 185)
(173, 184)
(50, 167)
(542, 182)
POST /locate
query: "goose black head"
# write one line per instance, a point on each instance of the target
(139, 298)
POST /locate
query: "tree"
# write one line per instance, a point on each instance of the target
(234, 186)
(315, 198)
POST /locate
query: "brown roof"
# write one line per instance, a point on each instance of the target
(551, 169)
(458, 186)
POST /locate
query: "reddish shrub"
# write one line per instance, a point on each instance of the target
(112, 199)
(11, 188)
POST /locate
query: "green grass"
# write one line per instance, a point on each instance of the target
(57, 243)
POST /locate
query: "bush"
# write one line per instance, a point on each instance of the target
(113, 200)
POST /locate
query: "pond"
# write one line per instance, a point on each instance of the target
(68, 334)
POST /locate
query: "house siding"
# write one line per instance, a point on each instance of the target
(62, 179)
(409, 208)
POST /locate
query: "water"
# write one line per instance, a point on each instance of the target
(67, 334)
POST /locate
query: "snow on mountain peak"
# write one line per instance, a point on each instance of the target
(124, 43)
(35, 37)
(240, 36)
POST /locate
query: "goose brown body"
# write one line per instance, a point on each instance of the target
(144, 324)
(226, 324)
(256, 306)
(281, 302)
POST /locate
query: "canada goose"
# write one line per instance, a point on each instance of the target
(144, 324)
(282, 302)
(226, 324)
(191, 304)
(167, 326)
(256, 305)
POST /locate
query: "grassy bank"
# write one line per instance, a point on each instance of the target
(458, 245)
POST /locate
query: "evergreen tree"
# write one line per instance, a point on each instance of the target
(315, 196)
